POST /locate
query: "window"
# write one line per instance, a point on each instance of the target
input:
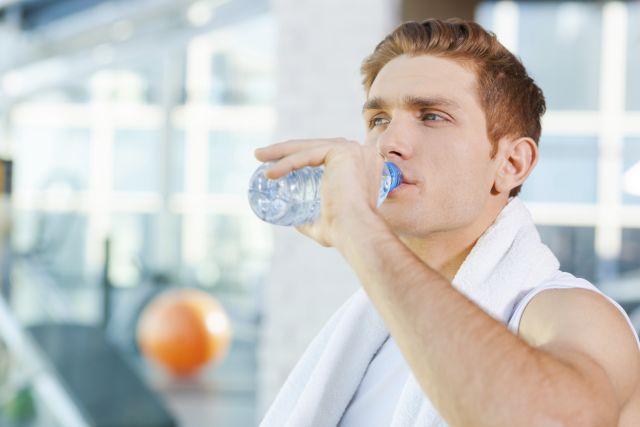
(630, 253)
(631, 171)
(566, 171)
(186, 118)
(137, 160)
(62, 163)
(147, 144)
(633, 57)
(574, 248)
(231, 160)
(584, 191)
(551, 42)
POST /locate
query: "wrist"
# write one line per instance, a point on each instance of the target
(357, 227)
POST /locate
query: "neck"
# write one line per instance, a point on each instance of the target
(445, 251)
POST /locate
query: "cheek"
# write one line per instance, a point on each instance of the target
(459, 178)
(472, 163)
(451, 167)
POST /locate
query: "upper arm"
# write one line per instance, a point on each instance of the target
(584, 330)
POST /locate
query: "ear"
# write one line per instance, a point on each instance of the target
(516, 160)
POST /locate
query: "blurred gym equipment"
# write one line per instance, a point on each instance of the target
(183, 330)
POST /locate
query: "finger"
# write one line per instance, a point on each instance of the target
(300, 159)
(282, 149)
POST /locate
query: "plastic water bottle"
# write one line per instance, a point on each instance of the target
(294, 199)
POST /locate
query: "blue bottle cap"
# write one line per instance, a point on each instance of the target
(396, 175)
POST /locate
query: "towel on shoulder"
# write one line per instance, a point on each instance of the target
(507, 262)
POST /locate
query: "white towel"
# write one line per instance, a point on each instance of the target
(507, 261)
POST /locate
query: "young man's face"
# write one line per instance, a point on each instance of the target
(424, 115)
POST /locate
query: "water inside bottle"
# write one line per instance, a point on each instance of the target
(288, 200)
(295, 198)
(266, 197)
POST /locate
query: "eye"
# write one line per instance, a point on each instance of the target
(378, 121)
(431, 117)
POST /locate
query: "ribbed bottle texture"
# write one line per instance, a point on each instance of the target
(294, 199)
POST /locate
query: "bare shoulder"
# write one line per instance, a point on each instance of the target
(579, 323)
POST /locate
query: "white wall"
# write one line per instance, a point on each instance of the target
(321, 44)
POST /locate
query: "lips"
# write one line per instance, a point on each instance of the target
(409, 181)
(403, 185)
(406, 180)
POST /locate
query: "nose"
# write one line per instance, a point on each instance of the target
(395, 141)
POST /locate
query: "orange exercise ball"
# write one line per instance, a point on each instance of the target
(183, 330)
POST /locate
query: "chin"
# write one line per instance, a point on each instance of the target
(410, 226)
(405, 227)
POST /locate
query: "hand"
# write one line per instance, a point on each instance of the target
(350, 182)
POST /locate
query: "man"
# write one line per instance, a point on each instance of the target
(463, 318)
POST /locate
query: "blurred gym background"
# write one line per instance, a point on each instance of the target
(127, 129)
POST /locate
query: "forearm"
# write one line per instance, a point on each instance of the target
(472, 368)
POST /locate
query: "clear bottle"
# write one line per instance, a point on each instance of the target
(294, 199)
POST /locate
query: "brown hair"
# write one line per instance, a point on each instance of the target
(513, 104)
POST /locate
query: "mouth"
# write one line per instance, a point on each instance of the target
(408, 181)
(404, 184)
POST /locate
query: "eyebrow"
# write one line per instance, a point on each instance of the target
(411, 102)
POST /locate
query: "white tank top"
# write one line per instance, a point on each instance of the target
(374, 401)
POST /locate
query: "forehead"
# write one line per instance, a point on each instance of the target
(426, 76)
